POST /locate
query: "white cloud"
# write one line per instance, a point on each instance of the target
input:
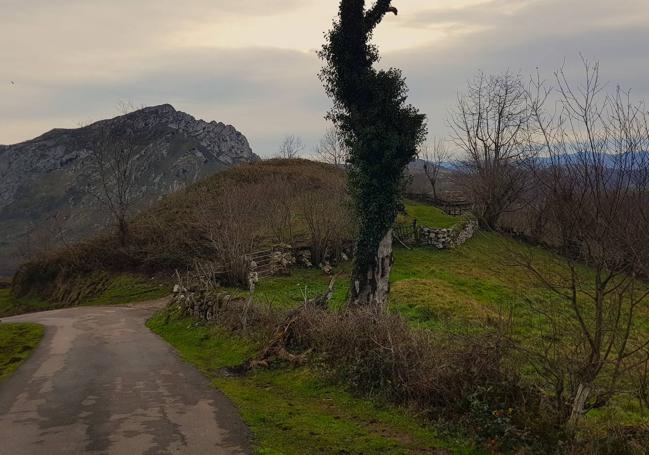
(252, 63)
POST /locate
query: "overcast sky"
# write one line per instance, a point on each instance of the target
(252, 63)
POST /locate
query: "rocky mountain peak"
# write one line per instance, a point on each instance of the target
(43, 182)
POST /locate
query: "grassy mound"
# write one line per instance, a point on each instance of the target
(427, 216)
(277, 201)
(17, 341)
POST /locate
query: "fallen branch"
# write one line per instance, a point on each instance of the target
(277, 348)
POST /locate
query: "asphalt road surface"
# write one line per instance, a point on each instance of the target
(101, 383)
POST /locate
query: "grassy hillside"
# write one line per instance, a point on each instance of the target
(277, 202)
(456, 292)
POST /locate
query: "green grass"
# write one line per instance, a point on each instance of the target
(128, 289)
(433, 288)
(292, 410)
(427, 216)
(9, 305)
(290, 291)
(17, 341)
(119, 289)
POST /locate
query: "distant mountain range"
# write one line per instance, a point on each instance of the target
(607, 160)
(44, 200)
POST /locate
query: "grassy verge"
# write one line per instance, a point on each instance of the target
(10, 305)
(113, 290)
(17, 341)
(293, 410)
(128, 289)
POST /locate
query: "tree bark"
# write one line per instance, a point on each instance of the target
(371, 287)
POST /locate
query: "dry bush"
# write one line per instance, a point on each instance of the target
(229, 220)
(381, 353)
(464, 380)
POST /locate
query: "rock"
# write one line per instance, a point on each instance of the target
(326, 268)
(43, 181)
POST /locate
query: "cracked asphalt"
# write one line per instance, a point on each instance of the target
(101, 383)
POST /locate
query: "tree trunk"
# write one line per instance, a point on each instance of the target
(122, 228)
(578, 404)
(371, 287)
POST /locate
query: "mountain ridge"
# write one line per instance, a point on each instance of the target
(44, 200)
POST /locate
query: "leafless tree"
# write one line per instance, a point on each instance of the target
(332, 148)
(595, 186)
(327, 213)
(434, 154)
(228, 219)
(279, 210)
(291, 147)
(491, 126)
(114, 170)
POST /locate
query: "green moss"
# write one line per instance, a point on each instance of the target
(292, 410)
(17, 341)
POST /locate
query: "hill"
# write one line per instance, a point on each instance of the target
(215, 221)
(44, 196)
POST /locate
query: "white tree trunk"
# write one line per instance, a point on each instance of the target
(579, 403)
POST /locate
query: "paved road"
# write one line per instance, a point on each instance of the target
(102, 383)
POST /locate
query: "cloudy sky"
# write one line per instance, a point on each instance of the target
(252, 63)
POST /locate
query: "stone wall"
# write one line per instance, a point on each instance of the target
(444, 239)
(199, 303)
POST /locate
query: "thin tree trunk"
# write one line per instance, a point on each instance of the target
(123, 231)
(372, 286)
(579, 403)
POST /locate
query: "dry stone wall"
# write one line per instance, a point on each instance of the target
(444, 239)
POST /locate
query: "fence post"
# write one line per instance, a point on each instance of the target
(415, 231)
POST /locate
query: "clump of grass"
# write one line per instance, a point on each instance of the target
(17, 341)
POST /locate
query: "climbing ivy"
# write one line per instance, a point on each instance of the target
(370, 111)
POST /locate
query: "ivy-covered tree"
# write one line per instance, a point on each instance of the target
(382, 133)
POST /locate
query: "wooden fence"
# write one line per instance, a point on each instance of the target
(406, 233)
(454, 204)
(264, 261)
